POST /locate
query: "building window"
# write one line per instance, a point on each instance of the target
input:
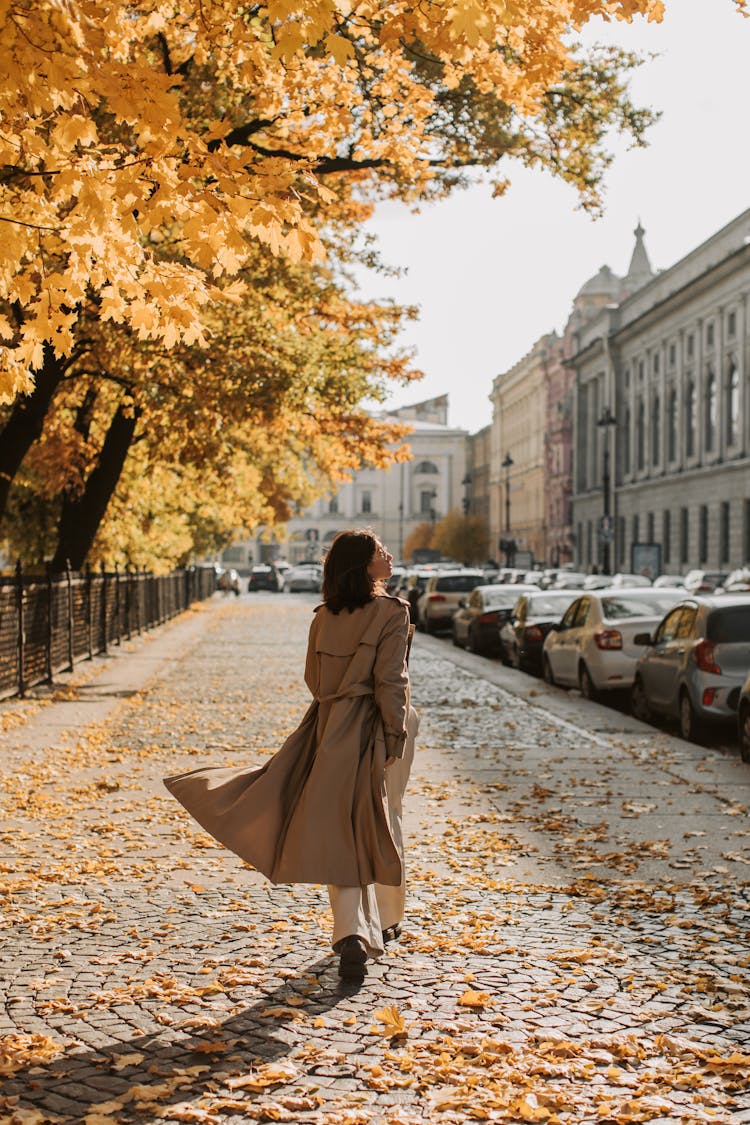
(656, 363)
(640, 435)
(724, 532)
(733, 403)
(656, 430)
(634, 525)
(425, 467)
(711, 404)
(626, 458)
(690, 345)
(589, 542)
(650, 527)
(365, 503)
(684, 534)
(621, 535)
(672, 355)
(732, 324)
(703, 533)
(641, 370)
(333, 506)
(710, 335)
(426, 502)
(672, 424)
(746, 531)
(666, 535)
(579, 543)
(690, 411)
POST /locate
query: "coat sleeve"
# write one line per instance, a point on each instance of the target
(392, 682)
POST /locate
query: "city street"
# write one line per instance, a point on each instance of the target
(576, 946)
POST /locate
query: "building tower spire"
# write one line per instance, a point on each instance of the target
(639, 270)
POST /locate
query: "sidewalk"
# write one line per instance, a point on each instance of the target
(576, 947)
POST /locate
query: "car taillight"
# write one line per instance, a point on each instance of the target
(488, 618)
(436, 598)
(703, 655)
(534, 633)
(608, 638)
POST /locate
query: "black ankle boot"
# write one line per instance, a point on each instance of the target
(352, 958)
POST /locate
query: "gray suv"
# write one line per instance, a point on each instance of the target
(695, 664)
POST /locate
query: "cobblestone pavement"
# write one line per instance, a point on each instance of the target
(576, 947)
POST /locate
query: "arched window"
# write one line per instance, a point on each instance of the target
(733, 402)
(655, 429)
(425, 467)
(333, 506)
(640, 435)
(672, 422)
(690, 409)
(711, 404)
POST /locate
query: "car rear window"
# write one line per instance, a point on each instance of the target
(500, 598)
(458, 583)
(638, 605)
(729, 626)
(555, 607)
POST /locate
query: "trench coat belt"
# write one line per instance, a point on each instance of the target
(352, 692)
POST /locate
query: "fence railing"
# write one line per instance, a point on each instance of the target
(50, 622)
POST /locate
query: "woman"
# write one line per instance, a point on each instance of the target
(327, 807)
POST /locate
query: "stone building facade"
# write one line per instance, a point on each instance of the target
(391, 501)
(671, 363)
(477, 480)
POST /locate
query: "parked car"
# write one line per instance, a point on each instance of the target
(704, 581)
(738, 581)
(569, 580)
(306, 576)
(673, 580)
(695, 663)
(442, 594)
(229, 582)
(264, 576)
(522, 635)
(596, 581)
(593, 647)
(477, 621)
(533, 578)
(629, 580)
(743, 721)
(411, 588)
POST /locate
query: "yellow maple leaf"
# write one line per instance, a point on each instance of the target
(393, 1023)
(474, 999)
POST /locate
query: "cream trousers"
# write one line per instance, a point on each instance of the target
(367, 911)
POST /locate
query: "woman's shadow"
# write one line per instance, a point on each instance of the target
(73, 1085)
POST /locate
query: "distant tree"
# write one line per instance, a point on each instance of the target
(465, 538)
(419, 538)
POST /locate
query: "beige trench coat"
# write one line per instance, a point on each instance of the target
(316, 812)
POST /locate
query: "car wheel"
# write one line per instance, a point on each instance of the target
(586, 684)
(515, 659)
(454, 637)
(547, 674)
(744, 733)
(639, 701)
(690, 727)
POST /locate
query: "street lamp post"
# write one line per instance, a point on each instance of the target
(606, 420)
(466, 503)
(509, 551)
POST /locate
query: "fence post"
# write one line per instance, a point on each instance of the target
(21, 638)
(138, 601)
(69, 582)
(89, 612)
(128, 598)
(118, 627)
(104, 608)
(50, 610)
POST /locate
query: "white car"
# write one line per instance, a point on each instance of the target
(593, 646)
(306, 576)
(442, 596)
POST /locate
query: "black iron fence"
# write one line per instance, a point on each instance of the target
(50, 622)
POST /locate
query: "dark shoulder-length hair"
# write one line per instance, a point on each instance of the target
(346, 583)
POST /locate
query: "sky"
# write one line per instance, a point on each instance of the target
(491, 276)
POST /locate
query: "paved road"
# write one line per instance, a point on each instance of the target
(576, 947)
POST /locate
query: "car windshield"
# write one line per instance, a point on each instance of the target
(500, 597)
(548, 606)
(457, 583)
(651, 604)
(729, 626)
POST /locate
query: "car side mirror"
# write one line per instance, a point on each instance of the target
(642, 639)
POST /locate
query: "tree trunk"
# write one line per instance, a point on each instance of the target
(26, 421)
(81, 516)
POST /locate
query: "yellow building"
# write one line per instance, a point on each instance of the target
(519, 418)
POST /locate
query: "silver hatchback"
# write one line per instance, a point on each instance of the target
(695, 664)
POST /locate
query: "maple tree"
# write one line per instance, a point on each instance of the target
(225, 124)
(418, 539)
(460, 537)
